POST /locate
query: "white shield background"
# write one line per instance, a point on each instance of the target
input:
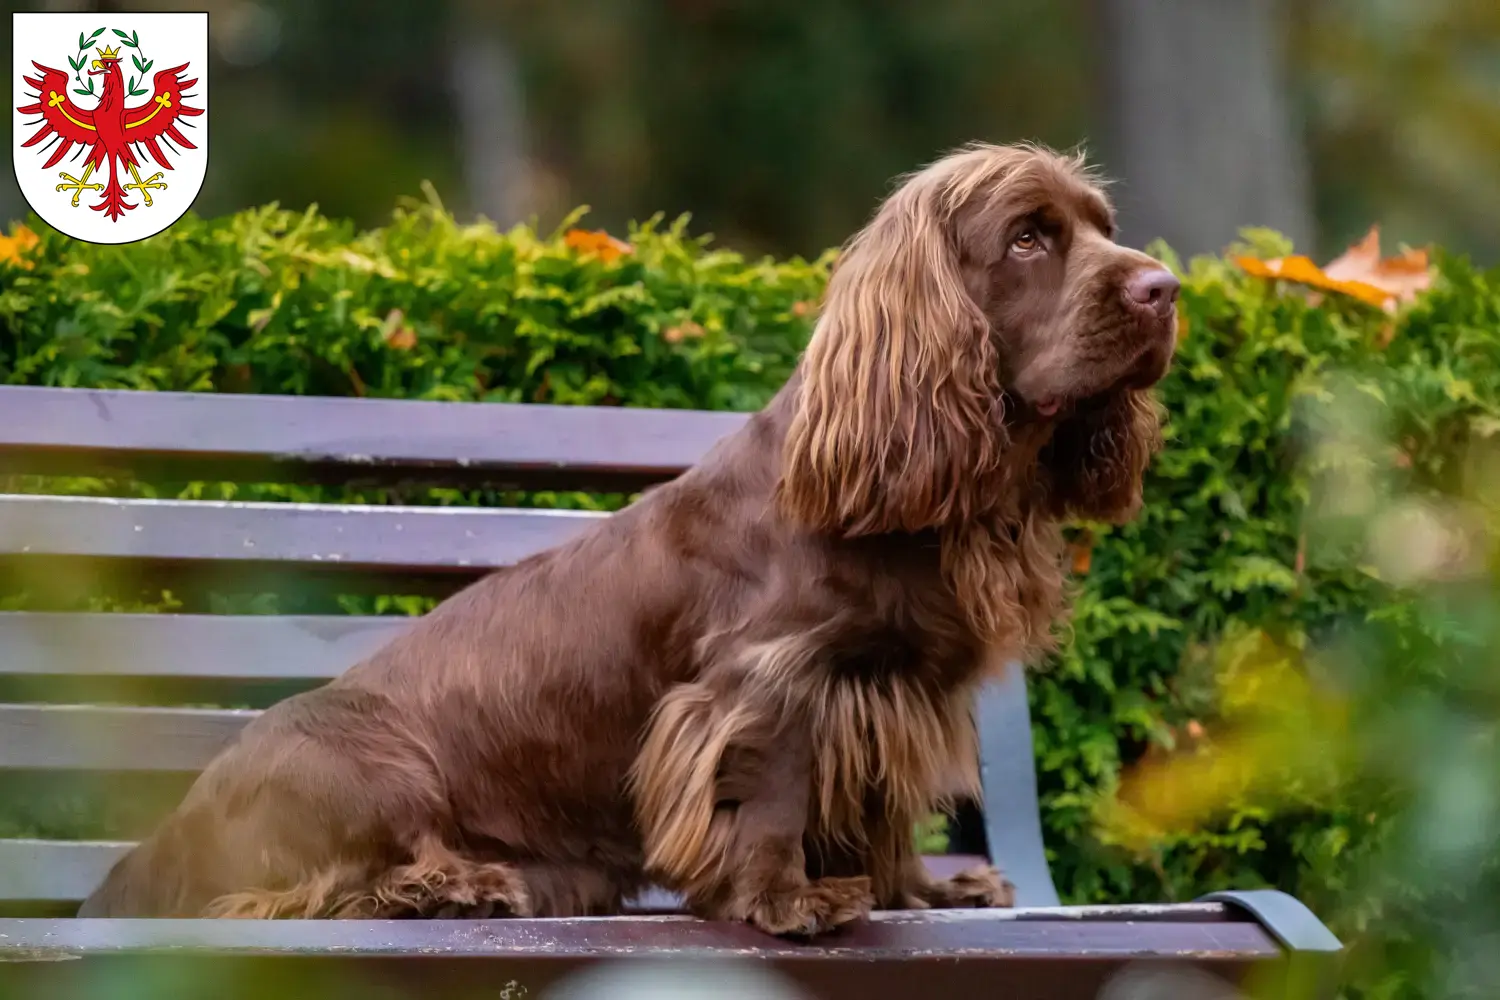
(167, 40)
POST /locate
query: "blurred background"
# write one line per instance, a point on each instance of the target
(1284, 673)
(779, 123)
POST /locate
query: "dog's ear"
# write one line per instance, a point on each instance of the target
(1097, 459)
(897, 417)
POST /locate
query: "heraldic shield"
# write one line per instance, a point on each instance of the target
(110, 138)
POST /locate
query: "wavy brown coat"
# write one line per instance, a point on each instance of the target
(751, 684)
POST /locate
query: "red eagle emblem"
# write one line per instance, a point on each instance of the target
(114, 135)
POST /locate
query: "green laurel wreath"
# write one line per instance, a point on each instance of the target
(86, 42)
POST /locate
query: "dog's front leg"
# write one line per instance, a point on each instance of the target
(902, 881)
(721, 790)
(976, 887)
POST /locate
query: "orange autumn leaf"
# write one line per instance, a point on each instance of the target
(1303, 271)
(397, 333)
(676, 334)
(596, 242)
(24, 238)
(1402, 277)
(1081, 552)
(13, 248)
(1359, 272)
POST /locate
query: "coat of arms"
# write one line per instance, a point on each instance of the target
(113, 148)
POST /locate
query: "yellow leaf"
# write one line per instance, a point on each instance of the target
(1277, 732)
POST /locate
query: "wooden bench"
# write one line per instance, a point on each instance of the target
(94, 706)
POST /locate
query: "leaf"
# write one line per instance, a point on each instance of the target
(82, 42)
(85, 93)
(677, 333)
(1403, 276)
(121, 34)
(15, 247)
(97, 32)
(1359, 272)
(131, 85)
(596, 242)
(1081, 553)
(397, 334)
(1303, 271)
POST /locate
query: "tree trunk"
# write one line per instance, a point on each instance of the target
(492, 113)
(1198, 131)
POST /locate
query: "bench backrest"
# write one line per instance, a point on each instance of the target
(97, 706)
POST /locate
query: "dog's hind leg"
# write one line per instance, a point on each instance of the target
(439, 882)
(309, 900)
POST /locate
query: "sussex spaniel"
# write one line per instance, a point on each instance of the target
(749, 685)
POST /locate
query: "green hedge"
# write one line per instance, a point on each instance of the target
(1242, 537)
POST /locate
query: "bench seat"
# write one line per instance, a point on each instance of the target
(109, 707)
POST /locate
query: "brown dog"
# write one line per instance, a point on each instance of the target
(750, 685)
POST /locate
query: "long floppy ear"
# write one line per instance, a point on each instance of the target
(897, 418)
(1097, 459)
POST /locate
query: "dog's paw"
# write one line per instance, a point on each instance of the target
(977, 888)
(814, 908)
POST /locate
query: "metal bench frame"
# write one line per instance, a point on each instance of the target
(1039, 949)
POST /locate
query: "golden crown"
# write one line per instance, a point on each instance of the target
(108, 53)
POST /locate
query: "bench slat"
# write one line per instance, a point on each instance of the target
(328, 536)
(63, 871)
(55, 871)
(1123, 932)
(884, 960)
(220, 647)
(248, 438)
(92, 738)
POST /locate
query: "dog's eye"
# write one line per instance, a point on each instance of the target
(1026, 242)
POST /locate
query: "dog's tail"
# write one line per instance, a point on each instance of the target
(155, 879)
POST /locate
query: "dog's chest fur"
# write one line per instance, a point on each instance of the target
(889, 713)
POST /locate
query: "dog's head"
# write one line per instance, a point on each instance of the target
(984, 332)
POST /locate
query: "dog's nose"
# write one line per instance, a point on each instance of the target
(1156, 288)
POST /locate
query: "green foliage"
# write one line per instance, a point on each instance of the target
(1282, 513)
(275, 301)
(1248, 530)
